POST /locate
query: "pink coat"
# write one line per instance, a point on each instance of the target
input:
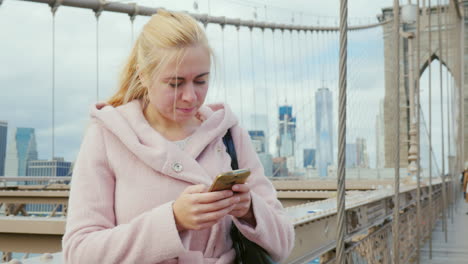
(127, 176)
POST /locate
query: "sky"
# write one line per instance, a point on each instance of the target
(283, 69)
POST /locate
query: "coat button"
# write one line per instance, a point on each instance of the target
(219, 149)
(177, 167)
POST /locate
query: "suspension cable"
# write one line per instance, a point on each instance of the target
(431, 207)
(54, 7)
(284, 65)
(450, 169)
(253, 80)
(276, 80)
(418, 159)
(224, 63)
(265, 89)
(444, 191)
(396, 78)
(240, 74)
(341, 177)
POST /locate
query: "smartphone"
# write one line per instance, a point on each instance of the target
(226, 180)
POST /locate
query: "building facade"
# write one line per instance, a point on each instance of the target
(21, 149)
(351, 156)
(46, 168)
(362, 157)
(324, 130)
(3, 145)
(260, 143)
(309, 158)
(287, 132)
(380, 137)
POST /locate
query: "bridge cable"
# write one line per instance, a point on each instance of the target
(444, 186)
(429, 60)
(418, 156)
(267, 133)
(54, 7)
(450, 168)
(224, 62)
(396, 79)
(97, 13)
(275, 70)
(253, 81)
(240, 74)
(132, 19)
(284, 66)
(341, 177)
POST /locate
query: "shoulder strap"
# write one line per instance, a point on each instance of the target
(231, 149)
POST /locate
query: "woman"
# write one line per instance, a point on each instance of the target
(139, 191)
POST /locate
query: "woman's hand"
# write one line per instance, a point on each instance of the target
(197, 209)
(243, 209)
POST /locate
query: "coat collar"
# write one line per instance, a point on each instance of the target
(130, 127)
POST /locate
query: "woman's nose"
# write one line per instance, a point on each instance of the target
(188, 93)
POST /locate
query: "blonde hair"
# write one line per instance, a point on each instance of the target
(164, 38)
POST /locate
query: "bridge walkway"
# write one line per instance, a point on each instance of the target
(455, 251)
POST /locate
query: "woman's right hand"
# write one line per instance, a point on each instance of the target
(197, 209)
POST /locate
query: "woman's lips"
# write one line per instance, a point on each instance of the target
(186, 110)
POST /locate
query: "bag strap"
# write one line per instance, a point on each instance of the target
(231, 149)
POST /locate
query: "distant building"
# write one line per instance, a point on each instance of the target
(260, 145)
(52, 168)
(351, 156)
(55, 168)
(21, 149)
(267, 161)
(259, 122)
(380, 137)
(258, 140)
(309, 158)
(362, 157)
(3, 145)
(280, 168)
(287, 132)
(324, 130)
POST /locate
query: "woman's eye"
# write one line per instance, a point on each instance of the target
(174, 85)
(199, 82)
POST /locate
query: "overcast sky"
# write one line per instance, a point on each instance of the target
(285, 69)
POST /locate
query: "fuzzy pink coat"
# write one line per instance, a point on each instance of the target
(127, 177)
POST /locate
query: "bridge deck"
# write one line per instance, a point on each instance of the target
(455, 251)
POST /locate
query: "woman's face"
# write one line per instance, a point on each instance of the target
(180, 89)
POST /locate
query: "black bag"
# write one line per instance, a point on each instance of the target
(247, 252)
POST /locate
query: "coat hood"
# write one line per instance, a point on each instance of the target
(128, 124)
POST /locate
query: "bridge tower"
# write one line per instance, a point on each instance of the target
(452, 60)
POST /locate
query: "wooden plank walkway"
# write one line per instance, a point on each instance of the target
(455, 251)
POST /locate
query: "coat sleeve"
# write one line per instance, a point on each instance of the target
(91, 234)
(274, 230)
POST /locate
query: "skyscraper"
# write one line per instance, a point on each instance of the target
(3, 145)
(309, 158)
(260, 144)
(362, 157)
(287, 132)
(380, 137)
(351, 156)
(324, 130)
(21, 149)
(258, 140)
(259, 122)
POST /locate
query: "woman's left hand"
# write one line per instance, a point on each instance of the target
(243, 209)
